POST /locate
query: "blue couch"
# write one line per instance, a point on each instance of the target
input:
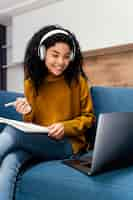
(54, 180)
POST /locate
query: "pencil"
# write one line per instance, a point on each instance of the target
(10, 104)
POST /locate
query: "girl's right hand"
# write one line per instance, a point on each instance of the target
(22, 106)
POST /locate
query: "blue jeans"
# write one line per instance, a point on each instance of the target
(9, 170)
(16, 147)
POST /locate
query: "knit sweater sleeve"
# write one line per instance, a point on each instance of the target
(80, 124)
(29, 94)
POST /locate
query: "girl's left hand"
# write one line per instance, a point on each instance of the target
(56, 131)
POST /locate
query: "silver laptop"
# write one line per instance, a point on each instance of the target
(113, 146)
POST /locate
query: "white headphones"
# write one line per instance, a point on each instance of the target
(42, 49)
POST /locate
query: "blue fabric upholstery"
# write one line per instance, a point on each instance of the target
(54, 180)
(112, 99)
(8, 112)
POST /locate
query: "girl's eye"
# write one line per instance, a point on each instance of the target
(67, 57)
(55, 55)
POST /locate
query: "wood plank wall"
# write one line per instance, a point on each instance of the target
(111, 66)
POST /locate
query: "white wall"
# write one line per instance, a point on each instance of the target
(97, 24)
(14, 81)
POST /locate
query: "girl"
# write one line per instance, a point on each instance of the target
(56, 96)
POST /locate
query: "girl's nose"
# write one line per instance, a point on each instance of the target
(60, 60)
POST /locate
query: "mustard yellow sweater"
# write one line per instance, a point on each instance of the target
(57, 102)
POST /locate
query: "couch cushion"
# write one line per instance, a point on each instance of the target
(54, 180)
(112, 99)
(8, 112)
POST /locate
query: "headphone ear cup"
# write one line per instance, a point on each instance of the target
(42, 52)
(71, 56)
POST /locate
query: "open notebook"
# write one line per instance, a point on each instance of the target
(24, 126)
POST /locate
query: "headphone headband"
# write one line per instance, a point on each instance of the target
(41, 48)
(51, 33)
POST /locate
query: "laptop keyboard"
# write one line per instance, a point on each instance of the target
(84, 161)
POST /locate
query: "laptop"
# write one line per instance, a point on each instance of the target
(113, 146)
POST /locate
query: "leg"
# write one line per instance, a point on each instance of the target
(40, 145)
(8, 141)
(8, 173)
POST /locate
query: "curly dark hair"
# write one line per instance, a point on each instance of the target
(35, 68)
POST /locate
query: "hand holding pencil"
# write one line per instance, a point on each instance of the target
(21, 104)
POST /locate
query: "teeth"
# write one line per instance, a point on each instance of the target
(58, 68)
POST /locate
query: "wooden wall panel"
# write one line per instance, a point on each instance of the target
(110, 68)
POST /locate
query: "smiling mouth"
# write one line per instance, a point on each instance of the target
(58, 68)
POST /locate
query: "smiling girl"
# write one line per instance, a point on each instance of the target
(56, 96)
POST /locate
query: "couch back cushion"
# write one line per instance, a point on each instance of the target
(8, 112)
(112, 99)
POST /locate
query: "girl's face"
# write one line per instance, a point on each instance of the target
(57, 58)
